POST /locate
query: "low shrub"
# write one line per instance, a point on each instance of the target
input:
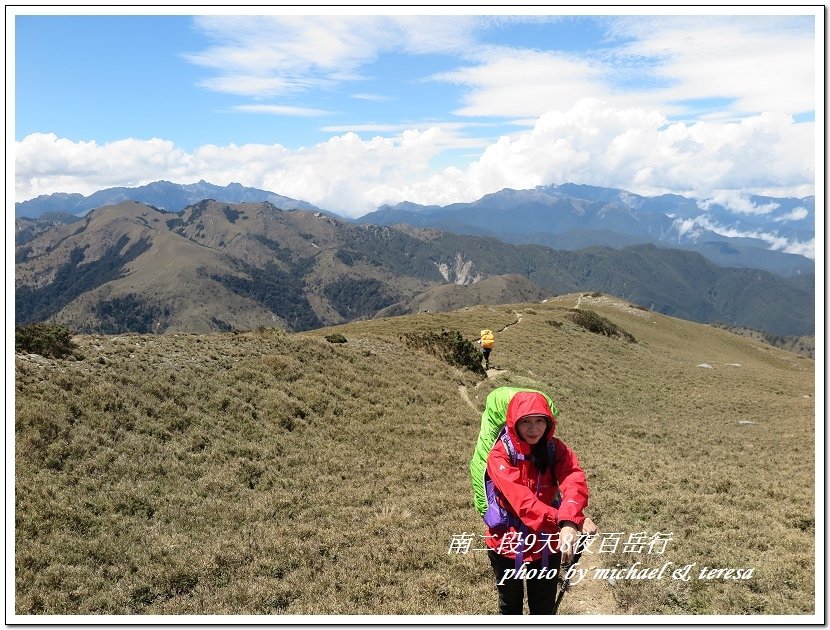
(449, 346)
(48, 340)
(336, 338)
(596, 323)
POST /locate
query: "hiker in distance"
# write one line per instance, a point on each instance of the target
(486, 341)
(541, 493)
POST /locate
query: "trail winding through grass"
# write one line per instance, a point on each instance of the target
(506, 326)
(462, 389)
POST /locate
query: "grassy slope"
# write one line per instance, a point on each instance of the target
(270, 473)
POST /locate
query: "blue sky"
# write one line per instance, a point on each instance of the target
(106, 91)
(354, 110)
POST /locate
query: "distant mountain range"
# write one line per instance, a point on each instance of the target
(223, 266)
(162, 195)
(571, 216)
(567, 216)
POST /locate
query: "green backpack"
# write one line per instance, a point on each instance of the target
(493, 419)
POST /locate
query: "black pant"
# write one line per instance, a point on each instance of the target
(541, 593)
(486, 353)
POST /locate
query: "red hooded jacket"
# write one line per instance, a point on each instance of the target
(518, 483)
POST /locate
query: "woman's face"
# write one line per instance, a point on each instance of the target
(532, 428)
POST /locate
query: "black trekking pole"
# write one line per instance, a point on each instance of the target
(565, 583)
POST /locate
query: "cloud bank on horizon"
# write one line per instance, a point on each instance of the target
(351, 112)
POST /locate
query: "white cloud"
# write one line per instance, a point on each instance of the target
(753, 64)
(342, 172)
(517, 83)
(713, 67)
(452, 134)
(692, 228)
(688, 228)
(339, 174)
(733, 79)
(636, 150)
(590, 143)
(806, 249)
(45, 164)
(796, 214)
(376, 98)
(280, 110)
(268, 55)
(737, 202)
(763, 63)
(257, 86)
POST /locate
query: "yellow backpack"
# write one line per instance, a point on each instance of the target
(487, 339)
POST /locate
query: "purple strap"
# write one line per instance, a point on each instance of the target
(520, 555)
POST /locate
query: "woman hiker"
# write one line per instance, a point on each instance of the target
(539, 534)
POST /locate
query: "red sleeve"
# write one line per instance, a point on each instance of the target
(572, 485)
(507, 478)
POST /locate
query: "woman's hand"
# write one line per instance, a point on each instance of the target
(568, 535)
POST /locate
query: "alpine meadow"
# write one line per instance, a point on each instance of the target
(326, 472)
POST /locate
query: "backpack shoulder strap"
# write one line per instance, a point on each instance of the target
(515, 456)
(551, 453)
(508, 445)
(557, 499)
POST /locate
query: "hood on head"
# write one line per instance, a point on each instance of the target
(527, 404)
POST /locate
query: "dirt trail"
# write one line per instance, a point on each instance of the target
(589, 597)
(462, 389)
(506, 326)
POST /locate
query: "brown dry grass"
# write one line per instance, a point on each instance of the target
(263, 473)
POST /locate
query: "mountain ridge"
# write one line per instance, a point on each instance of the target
(162, 194)
(571, 216)
(561, 216)
(222, 266)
